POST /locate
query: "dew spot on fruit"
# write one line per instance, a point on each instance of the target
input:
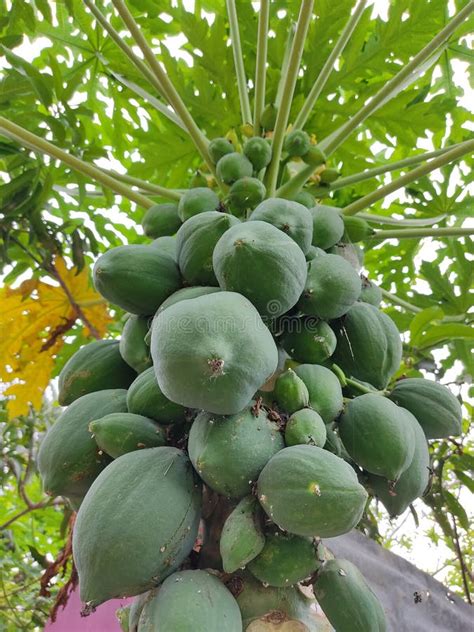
(342, 572)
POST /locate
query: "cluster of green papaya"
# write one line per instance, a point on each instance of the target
(210, 449)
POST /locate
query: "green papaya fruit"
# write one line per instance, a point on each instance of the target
(314, 156)
(308, 340)
(95, 367)
(334, 444)
(166, 245)
(332, 287)
(355, 229)
(346, 598)
(268, 118)
(246, 193)
(351, 253)
(378, 435)
(370, 293)
(161, 220)
(290, 392)
(119, 433)
(285, 560)
(133, 347)
(292, 218)
(197, 200)
(325, 393)
(229, 452)
(412, 482)
(437, 410)
(144, 397)
(368, 345)
(296, 143)
(136, 608)
(328, 176)
(262, 263)
(242, 537)
(212, 352)
(314, 252)
(310, 492)
(136, 278)
(232, 167)
(328, 226)
(185, 293)
(68, 458)
(259, 152)
(257, 601)
(305, 198)
(191, 600)
(153, 488)
(305, 427)
(198, 180)
(195, 244)
(219, 147)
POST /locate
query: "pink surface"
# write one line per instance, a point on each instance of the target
(102, 620)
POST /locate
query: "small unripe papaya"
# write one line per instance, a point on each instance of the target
(242, 538)
(259, 152)
(161, 219)
(328, 226)
(232, 167)
(219, 147)
(246, 193)
(290, 392)
(355, 229)
(297, 143)
(328, 176)
(197, 200)
(119, 433)
(314, 156)
(305, 427)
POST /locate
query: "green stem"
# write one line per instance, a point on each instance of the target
(37, 143)
(239, 62)
(399, 164)
(171, 94)
(415, 174)
(400, 301)
(290, 38)
(360, 387)
(169, 194)
(392, 221)
(411, 233)
(339, 373)
(328, 67)
(260, 70)
(332, 142)
(304, 19)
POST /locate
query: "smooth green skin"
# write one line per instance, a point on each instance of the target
(212, 352)
(262, 263)
(305, 198)
(153, 488)
(412, 483)
(437, 410)
(332, 287)
(314, 156)
(186, 293)
(369, 347)
(219, 147)
(310, 492)
(195, 243)
(292, 218)
(229, 453)
(306, 427)
(136, 608)
(232, 167)
(256, 600)
(370, 293)
(68, 458)
(144, 397)
(325, 393)
(309, 340)
(351, 253)
(95, 367)
(136, 278)
(197, 200)
(161, 220)
(297, 143)
(334, 444)
(259, 152)
(242, 538)
(119, 433)
(290, 392)
(347, 600)
(285, 560)
(328, 226)
(246, 193)
(378, 435)
(132, 346)
(328, 176)
(191, 600)
(314, 252)
(355, 229)
(166, 245)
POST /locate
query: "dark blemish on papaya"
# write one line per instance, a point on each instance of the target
(255, 410)
(217, 366)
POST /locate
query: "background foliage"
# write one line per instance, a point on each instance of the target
(66, 80)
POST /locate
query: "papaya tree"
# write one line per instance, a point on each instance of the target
(237, 319)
